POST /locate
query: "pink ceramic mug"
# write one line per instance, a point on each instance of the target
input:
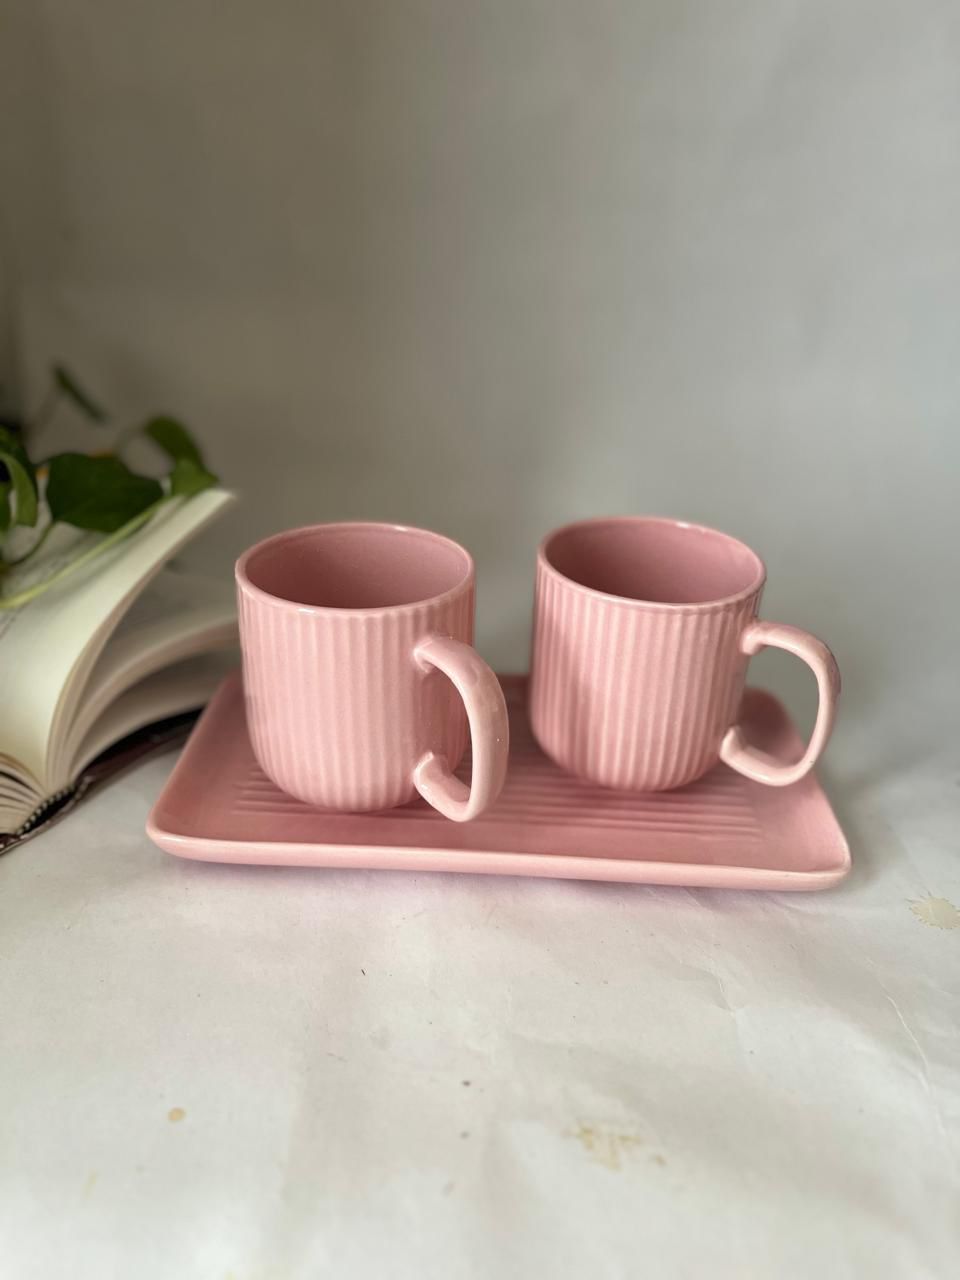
(359, 675)
(643, 628)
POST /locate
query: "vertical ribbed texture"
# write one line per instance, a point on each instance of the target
(633, 696)
(339, 711)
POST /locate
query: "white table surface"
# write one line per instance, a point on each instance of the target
(210, 1071)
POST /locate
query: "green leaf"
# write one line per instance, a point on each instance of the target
(4, 505)
(189, 477)
(174, 439)
(21, 476)
(102, 494)
(190, 474)
(72, 388)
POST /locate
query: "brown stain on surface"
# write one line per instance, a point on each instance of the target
(939, 913)
(90, 1183)
(606, 1146)
(176, 1114)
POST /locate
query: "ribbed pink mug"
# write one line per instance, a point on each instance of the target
(358, 671)
(643, 628)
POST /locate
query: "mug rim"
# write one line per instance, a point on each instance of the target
(250, 588)
(669, 606)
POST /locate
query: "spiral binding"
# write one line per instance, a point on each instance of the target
(44, 810)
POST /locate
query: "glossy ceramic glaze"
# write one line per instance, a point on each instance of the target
(643, 628)
(722, 831)
(359, 672)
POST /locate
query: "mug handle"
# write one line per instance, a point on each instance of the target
(489, 732)
(736, 751)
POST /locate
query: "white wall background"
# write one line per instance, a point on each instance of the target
(490, 266)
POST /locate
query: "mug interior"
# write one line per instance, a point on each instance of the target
(356, 566)
(653, 560)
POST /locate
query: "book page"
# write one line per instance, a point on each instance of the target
(179, 615)
(182, 687)
(49, 644)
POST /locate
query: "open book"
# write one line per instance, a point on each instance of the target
(121, 644)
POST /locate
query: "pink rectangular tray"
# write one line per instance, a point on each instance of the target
(720, 832)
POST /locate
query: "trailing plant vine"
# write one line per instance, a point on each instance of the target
(97, 492)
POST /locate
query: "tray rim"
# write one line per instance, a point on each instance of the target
(411, 858)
